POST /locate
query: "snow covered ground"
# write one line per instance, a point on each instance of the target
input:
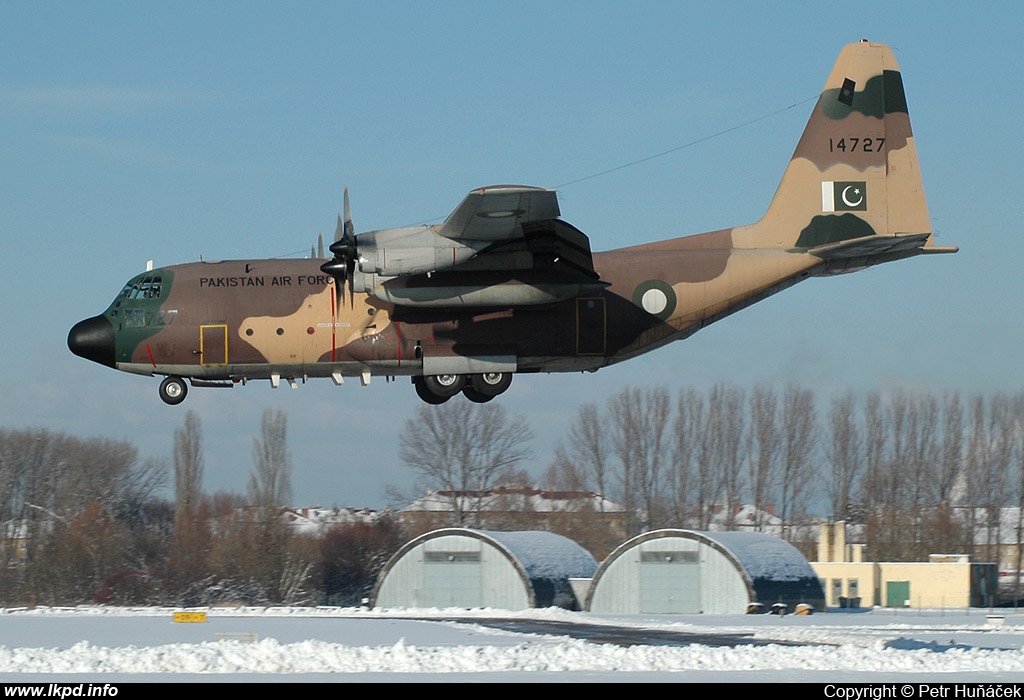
(103, 645)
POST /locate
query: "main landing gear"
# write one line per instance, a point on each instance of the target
(438, 388)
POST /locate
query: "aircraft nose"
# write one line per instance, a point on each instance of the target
(93, 339)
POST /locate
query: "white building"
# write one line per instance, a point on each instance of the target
(458, 567)
(684, 571)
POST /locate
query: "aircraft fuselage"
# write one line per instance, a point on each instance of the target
(233, 321)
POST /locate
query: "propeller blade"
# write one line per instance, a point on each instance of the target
(320, 245)
(349, 231)
(349, 238)
(342, 266)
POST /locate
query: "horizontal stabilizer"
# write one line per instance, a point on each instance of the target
(872, 250)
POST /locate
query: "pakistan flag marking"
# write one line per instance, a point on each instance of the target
(844, 196)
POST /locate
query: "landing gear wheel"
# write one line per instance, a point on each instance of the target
(424, 393)
(444, 385)
(475, 396)
(490, 383)
(173, 390)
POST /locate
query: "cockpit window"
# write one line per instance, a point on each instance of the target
(138, 303)
(145, 288)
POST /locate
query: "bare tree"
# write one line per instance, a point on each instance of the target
(950, 466)
(876, 466)
(971, 490)
(992, 469)
(844, 454)
(704, 448)
(942, 523)
(461, 449)
(765, 449)
(188, 559)
(920, 464)
(584, 466)
(799, 440)
(270, 482)
(725, 403)
(685, 470)
(48, 480)
(188, 473)
(276, 564)
(583, 463)
(908, 462)
(78, 555)
(639, 420)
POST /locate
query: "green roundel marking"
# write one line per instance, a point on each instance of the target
(656, 298)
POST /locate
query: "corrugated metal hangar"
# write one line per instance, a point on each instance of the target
(458, 567)
(683, 571)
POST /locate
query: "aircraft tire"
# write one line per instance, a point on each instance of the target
(173, 390)
(446, 385)
(475, 396)
(490, 383)
(426, 394)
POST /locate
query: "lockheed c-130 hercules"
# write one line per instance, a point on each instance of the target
(504, 285)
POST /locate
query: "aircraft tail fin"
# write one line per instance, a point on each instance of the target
(854, 178)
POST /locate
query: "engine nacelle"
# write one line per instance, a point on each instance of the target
(410, 251)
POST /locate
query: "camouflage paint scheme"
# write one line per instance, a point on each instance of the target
(851, 197)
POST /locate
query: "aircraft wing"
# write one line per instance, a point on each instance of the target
(493, 213)
(521, 228)
(502, 246)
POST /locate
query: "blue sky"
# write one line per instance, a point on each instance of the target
(142, 131)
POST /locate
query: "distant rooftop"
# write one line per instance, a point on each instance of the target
(514, 498)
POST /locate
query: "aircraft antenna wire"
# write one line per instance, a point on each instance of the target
(686, 145)
(655, 156)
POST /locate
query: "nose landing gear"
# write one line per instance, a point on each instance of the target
(173, 390)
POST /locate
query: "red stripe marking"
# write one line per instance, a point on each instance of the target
(334, 322)
(150, 353)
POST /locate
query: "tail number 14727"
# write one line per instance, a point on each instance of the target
(852, 144)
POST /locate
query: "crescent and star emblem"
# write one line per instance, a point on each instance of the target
(856, 191)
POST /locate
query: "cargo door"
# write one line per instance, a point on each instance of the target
(591, 331)
(213, 344)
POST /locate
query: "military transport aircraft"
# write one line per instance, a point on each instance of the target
(504, 285)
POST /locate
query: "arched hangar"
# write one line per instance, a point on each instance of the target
(683, 571)
(458, 567)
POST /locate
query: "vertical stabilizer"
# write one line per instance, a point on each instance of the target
(854, 175)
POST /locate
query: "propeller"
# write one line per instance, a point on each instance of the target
(342, 266)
